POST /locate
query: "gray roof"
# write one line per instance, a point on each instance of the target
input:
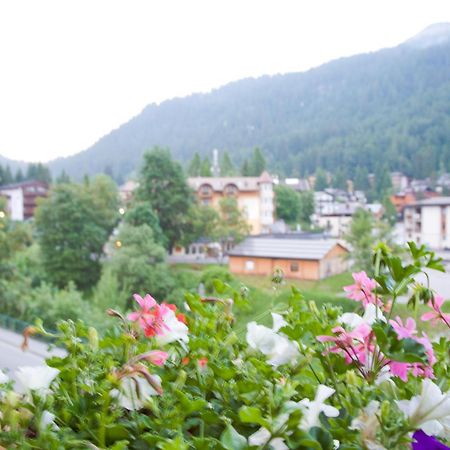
(313, 249)
(434, 201)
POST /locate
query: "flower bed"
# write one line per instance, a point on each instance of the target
(317, 379)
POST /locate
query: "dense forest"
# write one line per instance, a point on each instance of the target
(393, 103)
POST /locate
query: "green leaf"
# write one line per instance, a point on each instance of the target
(249, 414)
(219, 286)
(188, 405)
(232, 440)
(176, 444)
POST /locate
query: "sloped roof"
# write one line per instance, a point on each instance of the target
(312, 249)
(434, 201)
(242, 183)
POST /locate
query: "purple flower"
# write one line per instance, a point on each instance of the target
(425, 442)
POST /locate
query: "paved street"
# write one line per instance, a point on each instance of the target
(12, 356)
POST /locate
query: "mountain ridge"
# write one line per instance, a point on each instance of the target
(341, 114)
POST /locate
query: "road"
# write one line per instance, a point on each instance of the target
(12, 356)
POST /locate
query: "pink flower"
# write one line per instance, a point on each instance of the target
(361, 291)
(408, 330)
(436, 315)
(157, 357)
(150, 316)
(202, 362)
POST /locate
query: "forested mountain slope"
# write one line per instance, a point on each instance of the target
(391, 106)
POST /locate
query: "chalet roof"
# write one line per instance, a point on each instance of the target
(242, 183)
(434, 201)
(23, 184)
(312, 249)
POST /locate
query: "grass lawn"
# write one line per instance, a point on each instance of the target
(265, 297)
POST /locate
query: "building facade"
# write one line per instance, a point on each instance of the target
(428, 222)
(254, 196)
(22, 198)
(303, 259)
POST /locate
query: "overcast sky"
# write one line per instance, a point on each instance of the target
(71, 71)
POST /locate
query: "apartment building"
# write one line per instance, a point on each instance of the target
(428, 222)
(254, 195)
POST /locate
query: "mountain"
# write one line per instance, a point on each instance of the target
(389, 107)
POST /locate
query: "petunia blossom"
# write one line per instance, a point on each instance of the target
(362, 289)
(404, 330)
(37, 378)
(429, 410)
(312, 408)
(173, 330)
(276, 346)
(436, 315)
(134, 391)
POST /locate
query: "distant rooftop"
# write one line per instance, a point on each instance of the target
(435, 201)
(242, 183)
(311, 249)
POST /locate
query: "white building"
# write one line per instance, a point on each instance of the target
(254, 195)
(428, 222)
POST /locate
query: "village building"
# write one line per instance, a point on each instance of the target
(254, 196)
(428, 222)
(22, 198)
(300, 258)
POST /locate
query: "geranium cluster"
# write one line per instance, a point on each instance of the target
(357, 342)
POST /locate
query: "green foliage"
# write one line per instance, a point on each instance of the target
(141, 213)
(214, 273)
(360, 237)
(202, 221)
(195, 166)
(245, 169)
(205, 168)
(361, 179)
(164, 186)
(227, 168)
(306, 207)
(287, 204)
(321, 181)
(339, 180)
(232, 224)
(38, 172)
(257, 163)
(138, 264)
(218, 388)
(73, 224)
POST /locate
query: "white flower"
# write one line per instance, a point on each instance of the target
(371, 314)
(48, 420)
(130, 387)
(278, 322)
(277, 347)
(3, 377)
(37, 378)
(429, 411)
(262, 437)
(367, 423)
(312, 409)
(177, 331)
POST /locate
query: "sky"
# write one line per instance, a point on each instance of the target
(72, 71)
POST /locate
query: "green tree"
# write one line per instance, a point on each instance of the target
(361, 182)
(139, 263)
(321, 182)
(232, 225)
(63, 178)
(19, 176)
(390, 213)
(363, 234)
(195, 166)
(306, 207)
(226, 165)
(72, 229)
(257, 163)
(339, 180)
(164, 186)
(287, 204)
(203, 221)
(38, 172)
(205, 169)
(383, 182)
(141, 213)
(245, 169)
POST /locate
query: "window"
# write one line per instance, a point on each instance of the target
(294, 266)
(230, 190)
(249, 265)
(205, 190)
